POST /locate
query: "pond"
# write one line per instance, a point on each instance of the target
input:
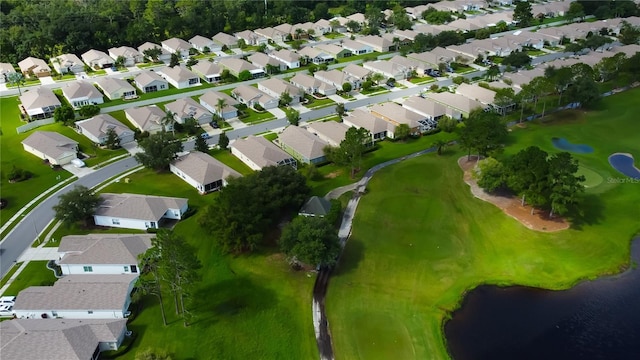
(597, 319)
(624, 164)
(564, 144)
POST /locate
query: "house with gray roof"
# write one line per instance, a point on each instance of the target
(164, 56)
(388, 69)
(147, 118)
(335, 51)
(316, 55)
(276, 87)
(271, 34)
(315, 206)
(180, 77)
(203, 44)
(34, 67)
(77, 297)
(457, 105)
(208, 70)
(114, 88)
(133, 211)
(81, 93)
(236, 66)
(225, 39)
(102, 254)
(330, 131)
(67, 63)
(210, 101)
(267, 63)
(97, 129)
(187, 108)
(425, 107)
(177, 46)
(303, 145)
(377, 127)
(202, 171)
(149, 81)
(51, 146)
(97, 59)
(5, 69)
(66, 339)
(377, 43)
(322, 26)
(337, 78)
(357, 72)
(130, 55)
(258, 152)
(38, 103)
(251, 96)
(250, 38)
(287, 57)
(311, 85)
(356, 47)
(396, 115)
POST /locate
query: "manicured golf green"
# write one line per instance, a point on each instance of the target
(420, 240)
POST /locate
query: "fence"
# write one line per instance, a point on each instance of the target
(34, 124)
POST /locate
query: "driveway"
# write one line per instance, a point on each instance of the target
(79, 172)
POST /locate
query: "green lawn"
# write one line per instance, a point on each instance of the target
(333, 35)
(318, 103)
(233, 162)
(7, 276)
(535, 52)
(416, 250)
(153, 95)
(34, 274)
(421, 80)
(251, 116)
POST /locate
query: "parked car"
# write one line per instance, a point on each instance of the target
(7, 300)
(205, 135)
(5, 310)
(78, 163)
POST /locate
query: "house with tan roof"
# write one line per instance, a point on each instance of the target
(102, 254)
(267, 63)
(378, 43)
(316, 55)
(257, 152)
(250, 38)
(285, 28)
(97, 59)
(485, 96)
(96, 129)
(81, 93)
(164, 56)
(271, 34)
(357, 72)
(38, 103)
(332, 132)
(457, 105)
(56, 148)
(225, 39)
(236, 66)
(134, 211)
(322, 27)
(149, 81)
(5, 69)
(337, 78)
(406, 34)
(388, 69)
(210, 101)
(334, 51)
(311, 85)
(289, 58)
(131, 56)
(358, 17)
(208, 70)
(187, 108)
(34, 67)
(78, 297)
(59, 338)
(303, 145)
(67, 63)
(204, 44)
(433, 58)
(396, 115)
(276, 87)
(410, 64)
(114, 88)
(180, 77)
(377, 127)
(251, 96)
(177, 46)
(147, 118)
(428, 108)
(356, 47)
(202, 171)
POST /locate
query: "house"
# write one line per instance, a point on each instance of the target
(428, 108)
(78, 297)
(177, 46)
(97, 59)
(251, 96)
(334, 51)
(359, 118)
(315, 55)
(67, 63)
(114, 88)
(149, 81)
(315, 206)
(180, 77)
(301, 30)
(250, 38)
(258, 152)
(311, 85)
(225, 39)
(303, 145)
(38, 103)
(130, 55)
(396, 115)
(267, 63)
(358, 72)
(272, 34)
(204, 45)
(337, 78)
(287, 57)
(377, 43)
(133, 211)
(357, 17)
(59, 338)
(81, 93)
(286, 29)
(465, 25)
(96, 129)
(527, 38)
(457, 105)
(147, 118)
(210, 71)
(55, 148)
(187, 108)
(432, 59)
(411, 65)
(331, 132)
(322, 27)
(211, 99)
(5, 69)
(236, 66)
(102, 254)
(276, 87)
(164, 56)
(388, 69)
(34, 67)
(404, 35)
(202, 171)
(356, 47)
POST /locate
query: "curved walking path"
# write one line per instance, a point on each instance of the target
(320, 322)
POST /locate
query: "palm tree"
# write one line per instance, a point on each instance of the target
(440, 145)
(16, 79)
(220, 105)
(167, 121)
(299, 32)
(377, 77)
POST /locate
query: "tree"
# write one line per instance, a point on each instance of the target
(285, 99)
(149, 281)
(584, 90)
(565, 186)
(366, 85)
(64, 114)
(242, 44)
(201, 145)
(346, 87)
(575, 11)
(340, 110)
(175, 60)
(293, 116)
(223, 140)
(492, 72)
(574, 47)
(609, 68)
(377, 77)
(595, 42)
(435, 17)
(439, 145)
(153, 53)
(119, 63)
(244, 75)
(402, 132)
(353, 26)
(159, 150)
(522, 14)
(191, 61)
(312, 69)
(447, 124)
(483, 132)
(221, 103)
(296, 44)
(89, 110)
(350, 151)
(400, 18)
(153, 354)
(298, 33)
(112, 141)
(311, 240)
(527, 175)
(490, 174)
(16, 79)
(168, 122)
(483, 33)
(374, 18)
(263, 48)
(79, 204)
(517, 59)
(629, 34)
(560, 78)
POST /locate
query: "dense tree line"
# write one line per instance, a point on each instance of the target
(43, 28)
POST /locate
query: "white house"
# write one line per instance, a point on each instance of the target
(337, 78)
(204, 44)
(251, 38)
(97, 59)
(5, 69)
(38, 103)
(102, 254)
(251, 96)
(56, 148)
(315, 55)
(130, 55)
(149, 81)
(81, 93)
(258, 152)
(132, 211)
(77, 297)
(271, 34)
(114, 88)
(377, 43)
(331, 132)
(289, 58)
(210, 71)
(276, 87)
(236, 66)
(396, 115)
(225, 39)
(202, 171)
(147, 118)
(356, 47)
(186, 108)
(303, 145)
(266, 62)
(363, 119)
(180, 77)
(96, 129)
(67, 63)
(388, 69)
(311, 85)
(210, 101)
(164, 56)
(177, 46)
(34, 67)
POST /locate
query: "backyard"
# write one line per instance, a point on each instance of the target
(406, 268)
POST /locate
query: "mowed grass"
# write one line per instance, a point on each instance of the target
(34, 274)
(249, 306)
(420, 240)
